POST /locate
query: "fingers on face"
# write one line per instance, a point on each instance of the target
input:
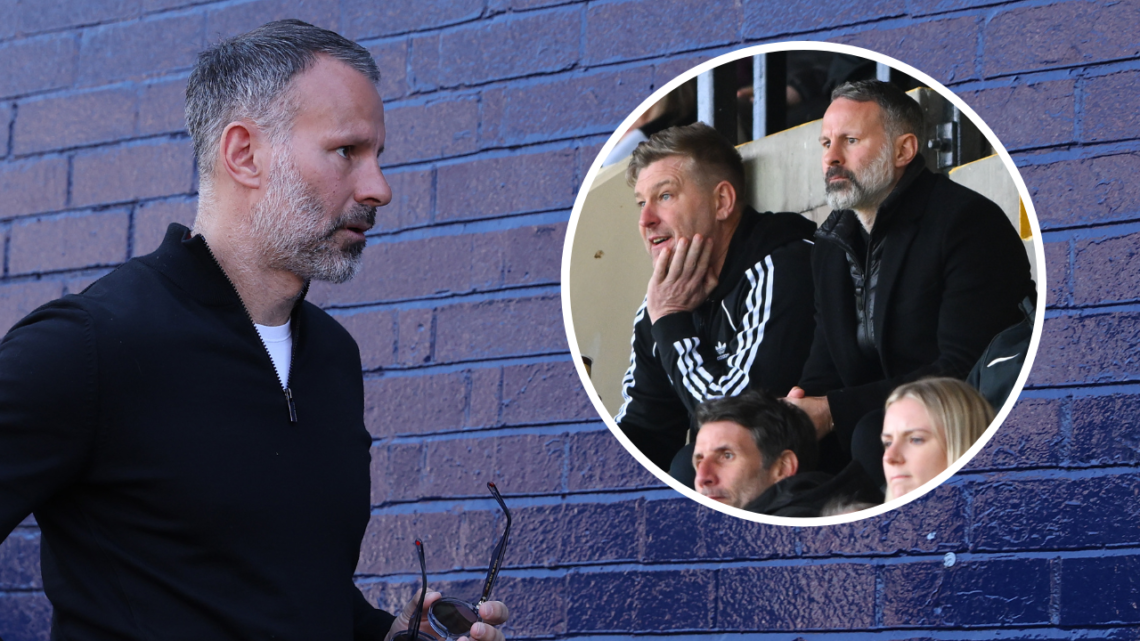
(677, 264)
(661, 264)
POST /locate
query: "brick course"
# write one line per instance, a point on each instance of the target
(118, 174)
(63, 121)
(1085, 191)
(141, 49)
(943, 49)
(69, 242)
(33, 185)
(38, 64)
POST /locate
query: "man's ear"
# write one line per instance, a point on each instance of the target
(906, 148)
(784, 466)
(724, 195)
(244, 154)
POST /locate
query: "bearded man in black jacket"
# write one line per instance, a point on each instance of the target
(914, 274)
(189, 431)
(729, 304)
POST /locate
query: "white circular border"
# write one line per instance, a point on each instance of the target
(998, 148)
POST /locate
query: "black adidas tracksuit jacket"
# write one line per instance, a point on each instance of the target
(755, 330)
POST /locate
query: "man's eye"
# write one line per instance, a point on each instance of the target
(665, 196)
(886, 444)
(728, 456)
(826, 144)
(641, 204)
(852, 141)
(344, 151)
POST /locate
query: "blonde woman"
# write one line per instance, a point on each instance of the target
(929, 424)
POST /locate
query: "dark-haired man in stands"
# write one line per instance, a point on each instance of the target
(189, 431)
(914, 274)
(759, 454)
(729, 304)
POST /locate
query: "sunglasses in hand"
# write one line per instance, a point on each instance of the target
(413, 632)
(452, 618)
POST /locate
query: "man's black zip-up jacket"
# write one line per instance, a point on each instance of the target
(143, 423)
(754, 331)
(952, 272)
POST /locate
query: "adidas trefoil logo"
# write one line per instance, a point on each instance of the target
(720, 347)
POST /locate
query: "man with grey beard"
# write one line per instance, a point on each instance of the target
(914, 274)
(189, 431)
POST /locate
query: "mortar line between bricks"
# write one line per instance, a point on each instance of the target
(509, 292)
(1097, 68)
(1101, 231)
(70, 272)
(940, 633)
(1072, 151)
(35, 277)
(528, 429)
(1081, 391)
(1075, 389)
(552, 216)
(507, 150)
(7, 226)
(626, 566)
(479, 502)
(985, 474)
(22, 591)
(1079, 106)
(1065, 452)
(1058, 473)
(1125, 219)
(69, 211)
(538, 358)
(465, 90)
(1092, 309)
(459, 24)
(1046, 74)
(79, 27)
(11, 129)
(115, 143)
(1054, 608)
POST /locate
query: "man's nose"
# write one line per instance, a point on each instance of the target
(832, 156)
(648, 217)
(705, 473)
(373, 188)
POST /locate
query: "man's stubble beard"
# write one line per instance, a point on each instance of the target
(861, 190)
(295, 234)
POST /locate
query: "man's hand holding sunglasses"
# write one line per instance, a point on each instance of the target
(492, 612)
(452, 618)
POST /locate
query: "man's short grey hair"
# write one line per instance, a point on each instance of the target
(712, 156)
(247, 78)
(901, 113)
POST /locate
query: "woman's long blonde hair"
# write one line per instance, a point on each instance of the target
(958, 413)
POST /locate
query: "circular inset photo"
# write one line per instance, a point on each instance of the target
(801, 283)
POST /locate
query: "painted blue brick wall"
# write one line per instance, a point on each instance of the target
(495, 110)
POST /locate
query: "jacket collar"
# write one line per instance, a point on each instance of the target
(756, 236)
(187, 262)
(888, 211)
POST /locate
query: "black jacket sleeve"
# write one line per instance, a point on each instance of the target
(48, 407)
(369, 624)
(652, 416)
